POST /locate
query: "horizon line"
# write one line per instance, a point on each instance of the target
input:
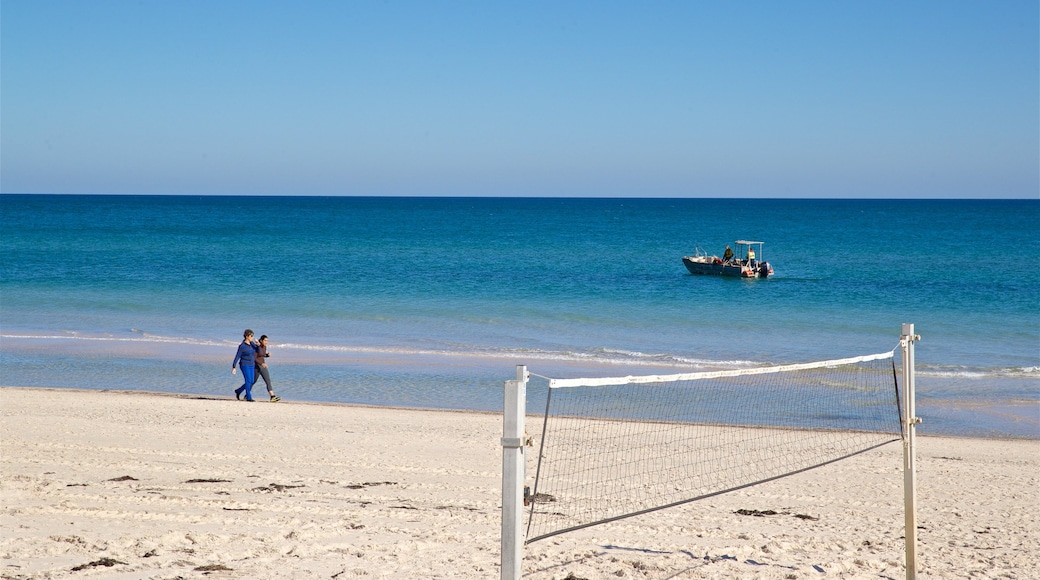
(533, 196)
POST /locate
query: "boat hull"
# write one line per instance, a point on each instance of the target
(713, 267)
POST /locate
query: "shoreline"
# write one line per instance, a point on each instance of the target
(1019, 410)
(259, 386)
(178, 485)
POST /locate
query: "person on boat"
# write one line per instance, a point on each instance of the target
(751, 256)
(728, 254)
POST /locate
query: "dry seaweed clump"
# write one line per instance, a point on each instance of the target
(213, 568)
(106, 562)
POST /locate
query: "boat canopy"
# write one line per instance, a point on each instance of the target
(747, 242)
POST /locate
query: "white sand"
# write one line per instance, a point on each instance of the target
(297, 490)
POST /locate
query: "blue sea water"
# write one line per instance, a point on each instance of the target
(431, 302)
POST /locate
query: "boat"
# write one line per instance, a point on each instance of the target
(750, 265)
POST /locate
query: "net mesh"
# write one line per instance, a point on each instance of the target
(627, 446)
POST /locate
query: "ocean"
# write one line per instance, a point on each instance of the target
(432, 302)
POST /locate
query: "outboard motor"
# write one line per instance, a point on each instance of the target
(764, 269)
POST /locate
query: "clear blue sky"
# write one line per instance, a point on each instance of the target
(930, 99)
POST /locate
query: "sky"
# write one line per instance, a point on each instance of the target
(750, 99)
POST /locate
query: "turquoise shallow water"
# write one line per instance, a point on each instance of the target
(430, 302)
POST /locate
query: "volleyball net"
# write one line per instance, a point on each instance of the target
(619, 447)
(613, 448)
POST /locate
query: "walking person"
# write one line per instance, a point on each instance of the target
(246, 359)
(261, 368)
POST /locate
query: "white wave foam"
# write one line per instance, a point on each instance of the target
(979, 373)
(596, 356)
(142, 339)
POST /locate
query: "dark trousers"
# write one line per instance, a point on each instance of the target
(262, 372)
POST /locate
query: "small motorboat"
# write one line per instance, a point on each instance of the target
(751, 265)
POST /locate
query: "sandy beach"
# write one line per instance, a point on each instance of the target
(116, 484)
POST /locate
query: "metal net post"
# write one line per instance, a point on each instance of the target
(513, 474)
(909, 423)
